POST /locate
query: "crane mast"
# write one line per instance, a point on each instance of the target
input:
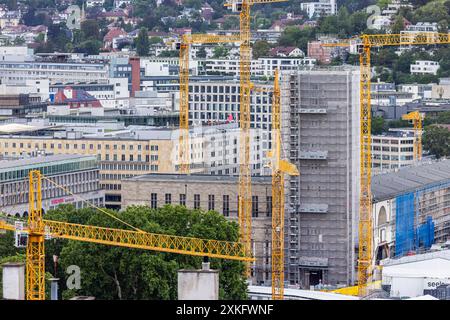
(279, 169)
(416, 118)
(365, 197)
(245, 182)
(35, 262)
(184, 47)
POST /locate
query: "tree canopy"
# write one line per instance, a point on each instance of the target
(109, 272)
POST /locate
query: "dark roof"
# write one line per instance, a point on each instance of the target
(409, 179)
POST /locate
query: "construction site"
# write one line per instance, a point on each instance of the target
(315, 225)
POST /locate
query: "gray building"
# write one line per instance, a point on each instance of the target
(77, 173)
(320, 124)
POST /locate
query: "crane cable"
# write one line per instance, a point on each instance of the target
(91, 205)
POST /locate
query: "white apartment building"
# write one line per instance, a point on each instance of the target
(263, 67)
(17, 72)
(392, 151)
(425, 67)
(94, 3)
(317, 9)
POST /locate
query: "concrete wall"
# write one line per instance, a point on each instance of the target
(198, 285)
(14, 281)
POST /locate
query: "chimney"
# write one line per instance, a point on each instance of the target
(135, 75)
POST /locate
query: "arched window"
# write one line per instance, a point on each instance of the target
(382, 217)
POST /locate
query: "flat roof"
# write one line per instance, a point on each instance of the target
(7, 164)
(17, 127)
(196, 178)
(389, 185)
(300, 294)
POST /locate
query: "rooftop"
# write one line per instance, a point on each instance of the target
(204, 178)
(8, 164)
(389, 185)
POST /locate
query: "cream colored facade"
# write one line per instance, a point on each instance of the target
(119, 158)
(211, 192)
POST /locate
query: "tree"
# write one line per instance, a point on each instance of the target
(109, 272)
(90, 30)
(437, 141)
(398, 25)
(156, 40)
(261, 48)
(378, 125)
(220, 52)
(142, 42)
(89, 47)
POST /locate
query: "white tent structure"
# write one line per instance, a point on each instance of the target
(410, 276)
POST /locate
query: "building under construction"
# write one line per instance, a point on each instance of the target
(411, 209)
(321, 136)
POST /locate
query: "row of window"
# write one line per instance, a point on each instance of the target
(211, 204)
(83, 146)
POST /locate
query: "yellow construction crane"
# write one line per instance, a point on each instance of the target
(184, 47)
(38, 228)
(279, 169)
(245, 183)
(244, 38)
(416, 117)
(365, 199)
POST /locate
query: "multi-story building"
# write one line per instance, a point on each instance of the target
(263, 67)
(392, 150)
(18, 72)
(77, 173)
(206, 192)
(319, 8)
(320, 131)
(425, 67)
(136, 151)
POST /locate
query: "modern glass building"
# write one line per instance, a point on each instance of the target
(77, 174)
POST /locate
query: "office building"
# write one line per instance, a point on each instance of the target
(392, 150)
(78, 173)
(18, 72)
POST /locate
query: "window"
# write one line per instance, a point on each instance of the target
(154, 201)
(255, 206)
(211, 202)
(226, 205)
(182, 199)
(168, 198)
(196, 201)
(269, 206)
